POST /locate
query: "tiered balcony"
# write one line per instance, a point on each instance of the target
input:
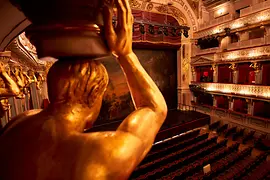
(216, 21)
(255, 8)
(262, 16)
(234, 51)
(237, 89)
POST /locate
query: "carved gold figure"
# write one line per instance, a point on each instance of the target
(10, 88)
(50, 144)
(4, 107)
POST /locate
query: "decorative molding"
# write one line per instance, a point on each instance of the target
(135, 4)
(173, 11)
(202, 60)
(25, 57)
(5, 56)
(190, 13)
(181, 10)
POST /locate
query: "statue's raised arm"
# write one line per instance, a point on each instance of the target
(151, 109)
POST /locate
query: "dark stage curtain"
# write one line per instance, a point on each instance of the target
(224, 74)
(246, 76)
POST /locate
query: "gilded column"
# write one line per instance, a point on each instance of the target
(231, 102)
(215, 73)
(214, 101)
(184, 72)
(235, 73)
(250, 107)
(258, 72)
(194, 74)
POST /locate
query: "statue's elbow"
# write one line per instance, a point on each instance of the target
(163, 110)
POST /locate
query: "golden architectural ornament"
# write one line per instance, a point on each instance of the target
(9, 87)
(256, 66)
(214, 68)
(233, 66)
(51, 143)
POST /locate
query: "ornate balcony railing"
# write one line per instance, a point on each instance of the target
(249, 43)
(255, 8)
(237, 89)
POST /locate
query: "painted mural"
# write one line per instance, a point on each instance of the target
(160, 65)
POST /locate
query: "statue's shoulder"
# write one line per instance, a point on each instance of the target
(21, 117)
(111, 151)
(112, 141)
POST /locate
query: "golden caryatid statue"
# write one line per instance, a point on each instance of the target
(10, 87)
(50, 144)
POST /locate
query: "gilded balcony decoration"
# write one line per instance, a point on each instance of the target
(256, 66)
(237, 89)
(233, 67)
(244, 54)
(258, 17)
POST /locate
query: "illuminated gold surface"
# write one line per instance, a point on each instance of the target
(10, 87)
(51, 145)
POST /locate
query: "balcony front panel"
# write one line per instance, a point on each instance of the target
(216, 21)
(237, 89)
(244, 54)
(248, 43)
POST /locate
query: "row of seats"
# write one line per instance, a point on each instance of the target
(184, 161)
(192, 168)
(185, 156)
(225, 163)
(259, 142)
(180, 138)
(170, 149)
(154, 165)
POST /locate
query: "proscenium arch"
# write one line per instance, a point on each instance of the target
(180, 5)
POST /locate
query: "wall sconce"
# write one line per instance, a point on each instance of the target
(221, 11)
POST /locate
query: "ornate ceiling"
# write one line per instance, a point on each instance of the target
(185, 11)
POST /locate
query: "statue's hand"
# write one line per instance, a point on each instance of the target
(119, 40)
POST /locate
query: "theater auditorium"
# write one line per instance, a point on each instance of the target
(135, 89)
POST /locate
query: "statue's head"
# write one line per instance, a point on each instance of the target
(78, 83)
